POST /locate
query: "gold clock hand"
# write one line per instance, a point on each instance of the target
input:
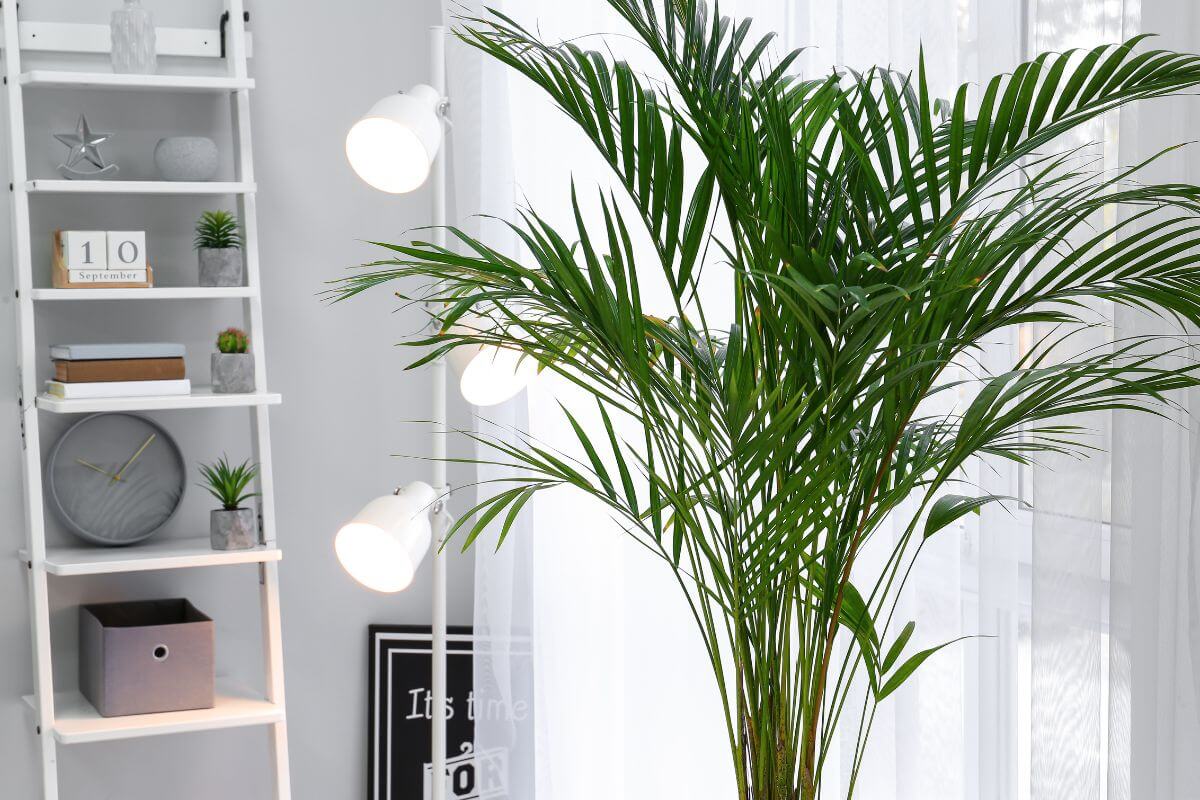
(133, 457)
(103, 472)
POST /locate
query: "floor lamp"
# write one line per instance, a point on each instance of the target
(396, 147)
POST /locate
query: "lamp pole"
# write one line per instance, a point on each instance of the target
(437, 74)
(396, 148)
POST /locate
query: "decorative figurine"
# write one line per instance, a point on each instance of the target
(85, 146)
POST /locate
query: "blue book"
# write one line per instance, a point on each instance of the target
(99, 351)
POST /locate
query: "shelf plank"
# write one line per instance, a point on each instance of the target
(77, 721)
(166, 554)
(51, 78)
(201, 397)
(61, 186)
(76, 37)
(157, 293)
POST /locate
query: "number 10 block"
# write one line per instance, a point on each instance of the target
(95, 259)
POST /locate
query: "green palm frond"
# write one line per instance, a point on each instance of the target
(876, 237)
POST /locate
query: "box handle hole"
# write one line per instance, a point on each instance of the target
(161, 652)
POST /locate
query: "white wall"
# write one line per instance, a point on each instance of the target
(345, 398)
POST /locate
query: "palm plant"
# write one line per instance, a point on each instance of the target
(874, 236)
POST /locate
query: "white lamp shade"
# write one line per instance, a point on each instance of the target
(394, 145)
(489, 375)
(383, 545)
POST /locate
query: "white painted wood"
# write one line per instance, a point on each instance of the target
(35, 531)
(167, 554)
(73, 37)
(78, 722)
(201, 397)
(437, 76)
(158, 293)
(272, 633)
(238, 42)
(49, 78)
(60, 186)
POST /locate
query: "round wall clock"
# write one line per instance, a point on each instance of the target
(115, 479)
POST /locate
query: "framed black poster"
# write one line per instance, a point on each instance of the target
(400, 716)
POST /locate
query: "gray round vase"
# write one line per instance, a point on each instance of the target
(232, 529)
(186, 158)
(220, 266)
(232, 373)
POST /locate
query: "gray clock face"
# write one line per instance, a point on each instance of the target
(116, 478)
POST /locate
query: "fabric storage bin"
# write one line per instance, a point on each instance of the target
(145, 657)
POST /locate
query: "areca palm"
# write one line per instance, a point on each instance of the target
(874, 236)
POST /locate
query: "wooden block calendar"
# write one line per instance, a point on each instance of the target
(100, 260)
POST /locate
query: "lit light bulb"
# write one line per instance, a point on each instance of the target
(384, 544)
(495, 374)
(393, 147)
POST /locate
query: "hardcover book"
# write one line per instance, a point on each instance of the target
(106, 352)
(121, 369)
(87, 391)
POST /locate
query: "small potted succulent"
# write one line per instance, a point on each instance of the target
(232, 364)
(231, 527)
(219, 243)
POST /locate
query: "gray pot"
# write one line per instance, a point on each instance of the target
(232, 530)
(186, 158)
(232, 373)
(220, 266)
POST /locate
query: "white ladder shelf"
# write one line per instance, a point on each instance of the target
(65, 717)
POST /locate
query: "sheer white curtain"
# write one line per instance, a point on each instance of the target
(1153, 567)
(1088, 589)
(624, 702)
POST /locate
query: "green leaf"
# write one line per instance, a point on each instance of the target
(948, 508)
(897, 647)
(905, 670)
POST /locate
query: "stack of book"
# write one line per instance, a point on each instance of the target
(84, 371)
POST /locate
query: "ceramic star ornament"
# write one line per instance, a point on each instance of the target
(84, 146)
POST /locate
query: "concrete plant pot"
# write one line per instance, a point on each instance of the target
(232, 529)
(232, 373)
(220, 266)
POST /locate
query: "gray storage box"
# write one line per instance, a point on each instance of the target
(145, 657)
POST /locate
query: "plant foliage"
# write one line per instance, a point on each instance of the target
(217, 230)
(233, 340)
(874, 237)
(228, 483)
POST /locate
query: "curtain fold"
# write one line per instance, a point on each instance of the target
(1084, 592)
(1154, 577)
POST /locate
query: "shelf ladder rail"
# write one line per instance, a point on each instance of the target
(259, 421)
(35, 552)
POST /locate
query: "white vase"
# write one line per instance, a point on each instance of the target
(133, 45)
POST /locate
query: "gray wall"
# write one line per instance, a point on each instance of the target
(346, 400)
